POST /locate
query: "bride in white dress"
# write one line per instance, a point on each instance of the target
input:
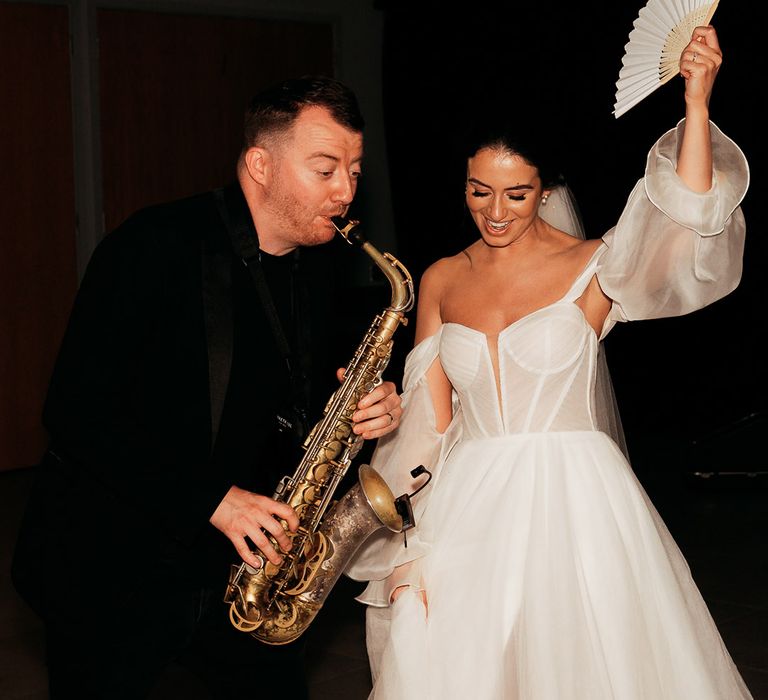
(539, 569)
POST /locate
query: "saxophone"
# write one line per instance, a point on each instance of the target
(277, 603)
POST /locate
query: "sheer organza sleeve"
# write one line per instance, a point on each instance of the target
(674, 250)
(416, 441)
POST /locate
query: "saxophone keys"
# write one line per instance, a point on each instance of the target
(271, 570)
(301, 510)
(320, 472)
(330, 450)
(308, 440)
(241, 623)
(310, 494)
(315, 554)
(343, 431)
(286, 616)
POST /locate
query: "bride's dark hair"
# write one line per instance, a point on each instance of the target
(535, 148)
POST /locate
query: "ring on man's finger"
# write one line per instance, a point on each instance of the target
(391, 417)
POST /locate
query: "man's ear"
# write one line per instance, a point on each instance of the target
(258, 164)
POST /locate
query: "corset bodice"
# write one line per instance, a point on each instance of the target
(546, 370)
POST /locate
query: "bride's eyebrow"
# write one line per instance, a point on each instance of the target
(475, 181)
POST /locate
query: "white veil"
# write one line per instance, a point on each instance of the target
(561, 211)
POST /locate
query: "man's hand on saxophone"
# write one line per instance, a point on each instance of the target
(244, 514)
(378, 412)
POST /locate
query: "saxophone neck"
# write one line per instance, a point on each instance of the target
(397, 275)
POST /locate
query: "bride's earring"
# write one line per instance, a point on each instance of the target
(544, 199)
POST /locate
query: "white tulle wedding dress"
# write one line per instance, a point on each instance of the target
(549, 574)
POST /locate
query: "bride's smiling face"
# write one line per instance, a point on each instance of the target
(503, 195)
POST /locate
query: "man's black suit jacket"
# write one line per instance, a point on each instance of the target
(132, 476)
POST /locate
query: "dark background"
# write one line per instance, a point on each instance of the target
(555, 65)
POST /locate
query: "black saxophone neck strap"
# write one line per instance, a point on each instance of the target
(245, 242)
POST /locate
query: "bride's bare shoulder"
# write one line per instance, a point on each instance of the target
(440, 272)
(577, 247)
(590, 245)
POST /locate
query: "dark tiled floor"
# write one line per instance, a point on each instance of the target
(721, 529)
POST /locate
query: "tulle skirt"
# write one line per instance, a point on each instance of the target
(550, 577)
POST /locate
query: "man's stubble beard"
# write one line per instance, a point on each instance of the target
(295, 223)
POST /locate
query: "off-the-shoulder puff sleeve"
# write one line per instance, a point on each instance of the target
(416, 441)
(674, 250)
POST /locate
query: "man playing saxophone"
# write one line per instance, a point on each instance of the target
(177, 402)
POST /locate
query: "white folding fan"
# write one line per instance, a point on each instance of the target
(660, 33)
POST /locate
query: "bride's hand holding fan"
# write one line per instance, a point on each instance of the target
(699, 64)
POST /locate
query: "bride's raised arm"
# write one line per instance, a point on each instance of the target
(699, 64)
(679, 242)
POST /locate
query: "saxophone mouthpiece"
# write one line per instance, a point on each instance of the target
(347, 229)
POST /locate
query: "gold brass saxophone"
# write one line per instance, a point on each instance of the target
(276, 604)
